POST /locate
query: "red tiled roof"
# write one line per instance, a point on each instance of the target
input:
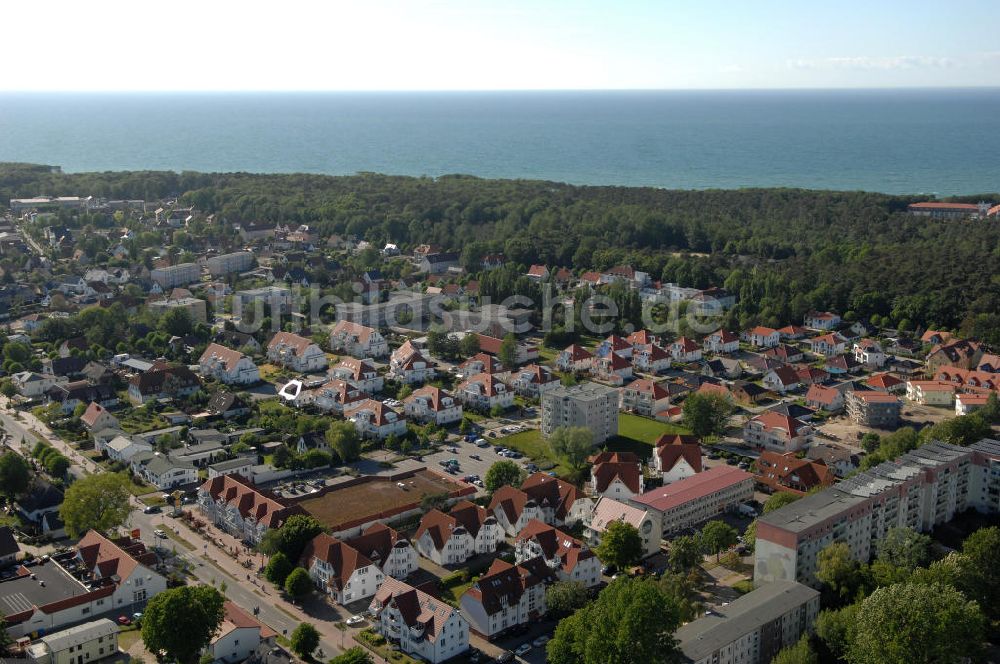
(772, 420)
(929, 205)
(555, 544)
(343, 558)
(692, 488)
(250, 501)
(295, 342)
(671, 449)
(227, 356)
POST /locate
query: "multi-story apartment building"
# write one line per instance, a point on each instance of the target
(777, 432)
(278, 298)
(542, 497)
(228, 366)
(373, 419)
(195, 308)
(753, 628)
(930, 392)
(874, 409)
(483, 392)
(698, 498)
(360, 374)
(238, 261)
(506, 596)
(238, 507)
(921, 490)
(408, 365)
(357, 340)
(181, 274)
(465, 531)
(569, 558)
(432, 404)
(585, 405)
(418, 623)
(295, 352)
(645, 397)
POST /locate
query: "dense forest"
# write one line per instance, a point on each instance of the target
(781, 251)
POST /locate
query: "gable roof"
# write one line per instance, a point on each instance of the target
(93, 412)
(228, 357)
(105, 557)
(248, 500)
(672, 448)
(623, 466)
(297, 343)
(416, 608)
(503, 584)
(555, 544)
(343, 558)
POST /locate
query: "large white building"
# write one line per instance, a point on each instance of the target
(569, 558)
(420, 624)
(238, 261)
(357, 340)
(753, 628)
(465, 531)
(89, 642)
(922, 489)
(585, 405)
(432, 404)
(506, 596)
(295, 352)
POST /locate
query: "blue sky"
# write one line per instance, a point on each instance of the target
(516, 44)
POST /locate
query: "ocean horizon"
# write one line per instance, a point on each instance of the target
(903, 141)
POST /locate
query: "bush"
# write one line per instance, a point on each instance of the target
(456, 578)
(743, 587)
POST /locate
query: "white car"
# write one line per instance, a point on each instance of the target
(540, 641)
(523, 649)
(159, 533)
(354, 620)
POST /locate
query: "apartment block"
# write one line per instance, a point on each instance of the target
(874, 409)
(176, 275)
(586, 405)
(753, 628)
(698, 498)
(238, 261)
(922, 489)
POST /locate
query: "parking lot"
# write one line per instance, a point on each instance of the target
(472, 459)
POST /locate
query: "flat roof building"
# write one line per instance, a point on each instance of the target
(589, 405)
(753, 628)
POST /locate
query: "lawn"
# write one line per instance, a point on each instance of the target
(128, 636)
(644, 429)
(454, 594)
(531, 444)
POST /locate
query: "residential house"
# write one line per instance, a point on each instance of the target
(645, 397)
(236, 506)
(781, 380)
(71, 395)
(676, 457)
(484, 392)
(408, 365)
(523, 352)
(685, 350)
(792, 332)
(162, 381)
(568, 557)
(575, 358)
(747, 393)
(616, 474)
(842, 365)
(97, 417)
(358, 340)
(822, 320)
(870, 354)
(615, 344)
(777, 432)
(506, 596)
(608, 510)
(359, 374)
(451, 539)
(340, 570)
(722, 342)
(762, 337)
(538, 273)
(437, 263)
(966, 403)
(373, 419)
(827, 345)
(419, 624)
(239, 636)
(432, 404)
(873, 409)
(533, 380)
(841, 460)
(227, 405)
(930, 392)
(228, 366)
(962, 353)
(33, 385)
(295, 352)
(393, 553)
(480, 363)
(651, 359)
(337, 396)
(811, 375)
(784, 353)
(541, 496)
(828, 399)
(787, 472)
(612, 368)
(989, 363)
(973, 381)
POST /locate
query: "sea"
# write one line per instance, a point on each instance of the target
(910, 141)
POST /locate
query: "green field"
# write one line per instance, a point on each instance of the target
(635, 434)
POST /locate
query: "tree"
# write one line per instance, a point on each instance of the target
(343, 439)
(717, 536)
(182, 621)
(837, 568)
(7, 388)
(632, 621)
(990, 412)
(5, 639)
(298, 584)
(57, 465)
(573, 445)
(906, 548)
(706, 414)
(508, 351)
(621, 545)
(907, 623)
(177, 322)
(291, 538)
(80, 409)
(683, 591)
(779, 500)
(835, 627)
(685, 553)
(564, 597)
(278, 568)
(980, 569)
(800, 653)
(96, 502)
(15, 475)
(469, 345)
(304, 640)
(355, 655)
(503, 473)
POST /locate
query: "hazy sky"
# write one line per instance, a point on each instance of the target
(509, 44)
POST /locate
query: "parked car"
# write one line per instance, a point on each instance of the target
(505, 656)
(482, 443)
(151, 509)
(160, 533)
(523, 649)
(354, 620)
(476, 457)
(540, 641)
